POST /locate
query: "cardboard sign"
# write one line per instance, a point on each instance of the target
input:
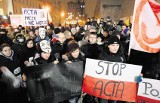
(111, 80)
(149, 91)
(34, 17)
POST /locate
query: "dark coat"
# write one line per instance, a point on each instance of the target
(40, 60)
(9, 94)
(91, 50)
(113, 57)
(10, 64)
(59, 49)
(29, 52)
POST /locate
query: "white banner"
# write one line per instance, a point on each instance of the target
(145, 33)
(34, 17)
(111, 80)
(112, 70)
(16, 20)
(149, 91)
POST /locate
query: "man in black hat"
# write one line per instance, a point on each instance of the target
(112, 53)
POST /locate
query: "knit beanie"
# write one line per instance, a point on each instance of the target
(113, 40)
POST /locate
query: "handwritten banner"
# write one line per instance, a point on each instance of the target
(49, 83)
(34, 17)
(111, 80)
(149, 91)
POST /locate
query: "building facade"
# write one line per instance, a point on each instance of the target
(117, 9)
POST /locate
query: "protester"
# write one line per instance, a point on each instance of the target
(11, 76)
(45, 56)
(112, 53)
(29, 52)
(74, 55)
(91, 50)
(60, 47)
(42, 35)
(18, 46)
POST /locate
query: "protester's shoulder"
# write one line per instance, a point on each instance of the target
(84, 46)
(102, 55)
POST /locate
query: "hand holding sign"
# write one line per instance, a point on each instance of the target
(111, 80)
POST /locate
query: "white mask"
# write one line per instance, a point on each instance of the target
(45, 46)
(42, 33)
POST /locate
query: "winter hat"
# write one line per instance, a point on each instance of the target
(72, 46)
(113, 40)
(57, 30)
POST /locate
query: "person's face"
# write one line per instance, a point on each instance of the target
(88, 20)
(105, 33)
(109, 23)
(61, 37)
(102, 19)
(113, 48)
(2, 27)
(42, 33)
(123, 28)
(20, 28)
(100, 25)
(99, 39)
(20, 39)
(45, 55)
(92, 39)
(110, 32)
(31, 34)
(36, 32)
(75, 53)
(30, 44)
(6, 51)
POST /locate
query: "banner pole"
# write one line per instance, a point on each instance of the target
(81, 97)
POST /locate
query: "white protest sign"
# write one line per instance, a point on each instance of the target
(34, 17)
(16, 20)
(112, 70)
(111, 80)
(149, 91)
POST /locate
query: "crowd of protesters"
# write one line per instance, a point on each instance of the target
(21, 47)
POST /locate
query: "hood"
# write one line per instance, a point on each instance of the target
(10, 57)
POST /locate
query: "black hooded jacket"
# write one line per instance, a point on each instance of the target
(11, 62)
(114, 57)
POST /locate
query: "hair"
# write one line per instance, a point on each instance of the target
(68, 34)
(4, 45)
(34, 44)
(72, 46)
(93, 33)
(27, 36)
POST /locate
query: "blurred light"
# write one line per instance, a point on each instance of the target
(47, 8)
(62, 13)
